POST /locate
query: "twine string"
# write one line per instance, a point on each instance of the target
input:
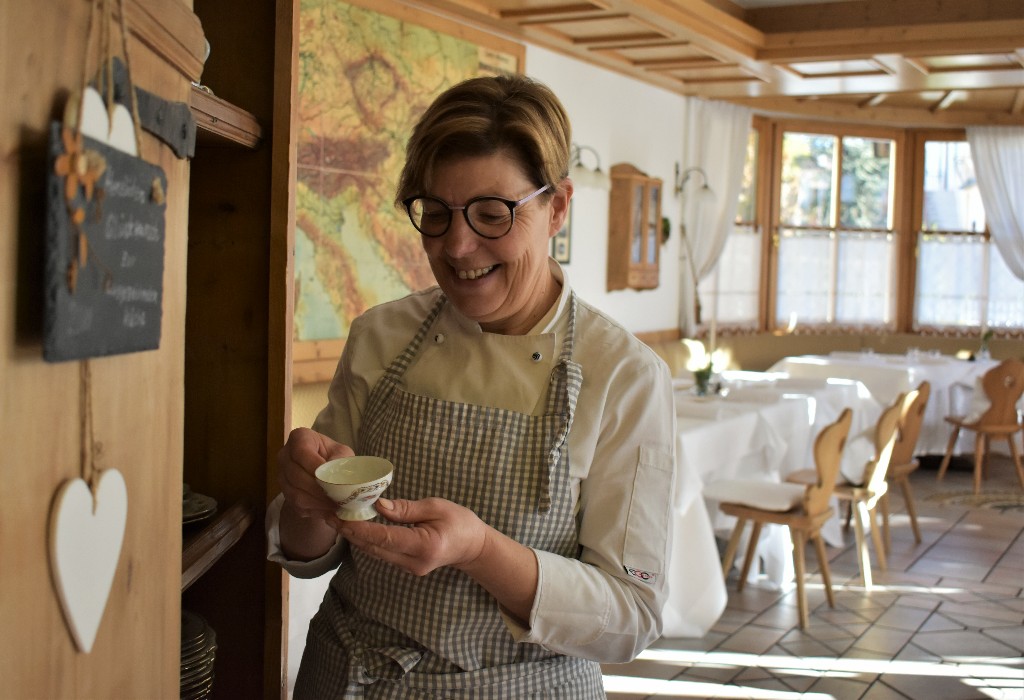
(105, 61)
(133, 99)
(87, 438)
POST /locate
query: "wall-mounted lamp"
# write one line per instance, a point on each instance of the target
(682, 176)
(585, 175)
(705, 198)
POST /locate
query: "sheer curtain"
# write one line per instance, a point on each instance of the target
(715, 140)
(998, 155)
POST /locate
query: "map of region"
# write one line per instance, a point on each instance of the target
(364, 78)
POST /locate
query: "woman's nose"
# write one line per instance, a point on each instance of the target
(460, 239)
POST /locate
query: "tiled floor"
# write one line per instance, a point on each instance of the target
(944, 622)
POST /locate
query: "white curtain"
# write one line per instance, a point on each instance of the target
(715, 141)
(998, 155)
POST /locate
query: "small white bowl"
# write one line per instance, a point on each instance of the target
(355, 484)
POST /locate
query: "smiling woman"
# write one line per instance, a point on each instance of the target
(520, 481)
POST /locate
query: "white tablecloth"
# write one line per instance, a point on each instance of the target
(762, 430)
(886, 376)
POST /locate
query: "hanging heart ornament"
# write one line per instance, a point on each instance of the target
(86, 534)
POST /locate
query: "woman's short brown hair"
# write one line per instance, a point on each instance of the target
(512, 114)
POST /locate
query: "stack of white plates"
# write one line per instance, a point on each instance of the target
(198, 647)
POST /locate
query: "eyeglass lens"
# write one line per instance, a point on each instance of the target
(489, 217)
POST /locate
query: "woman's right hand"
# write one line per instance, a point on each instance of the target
(307, 526)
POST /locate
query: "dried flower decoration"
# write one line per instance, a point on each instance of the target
(78, 165)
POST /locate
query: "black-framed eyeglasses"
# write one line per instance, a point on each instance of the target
(490, 217)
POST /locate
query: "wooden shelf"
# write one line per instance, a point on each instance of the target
(223, 121)
(202, 550)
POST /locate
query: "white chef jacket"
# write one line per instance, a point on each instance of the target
(606, 605)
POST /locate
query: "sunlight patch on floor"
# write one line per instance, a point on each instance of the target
(693, 689)
(990, 669)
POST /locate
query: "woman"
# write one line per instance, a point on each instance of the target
(532, 439)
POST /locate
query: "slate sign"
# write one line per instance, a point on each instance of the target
(104, 274)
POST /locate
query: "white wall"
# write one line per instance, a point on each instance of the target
(625, 121)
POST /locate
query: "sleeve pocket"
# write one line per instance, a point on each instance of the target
(645, 553)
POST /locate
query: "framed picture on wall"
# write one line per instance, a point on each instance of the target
(561, 244)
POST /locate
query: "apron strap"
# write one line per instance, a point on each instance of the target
(401, 363)
(566, 380)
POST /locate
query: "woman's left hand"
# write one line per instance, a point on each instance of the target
(442, 533)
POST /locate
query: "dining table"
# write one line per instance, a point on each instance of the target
(955, 388)
(759, 427)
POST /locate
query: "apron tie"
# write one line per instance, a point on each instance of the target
(382, 664)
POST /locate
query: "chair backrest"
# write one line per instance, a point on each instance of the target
(911, 418)
(828, 453)
(1003, 386)
(886, 430)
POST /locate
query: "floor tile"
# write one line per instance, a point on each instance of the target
(964, 645)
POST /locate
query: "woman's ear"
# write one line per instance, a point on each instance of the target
(560, 206)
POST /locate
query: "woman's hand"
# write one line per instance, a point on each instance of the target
(442, 534)
(308, 522)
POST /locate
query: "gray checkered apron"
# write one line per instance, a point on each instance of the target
(384, 633)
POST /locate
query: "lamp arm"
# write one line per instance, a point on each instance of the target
(682, 176)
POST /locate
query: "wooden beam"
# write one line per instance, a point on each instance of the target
(1018, 103)
(920, 40)
(947, 99)
(561, 11)
(897, 116)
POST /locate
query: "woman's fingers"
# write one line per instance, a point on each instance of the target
(297, 461)
(442, 533)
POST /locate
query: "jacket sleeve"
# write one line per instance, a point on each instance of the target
(607, 605)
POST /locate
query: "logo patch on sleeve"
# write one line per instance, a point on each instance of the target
(640, 575)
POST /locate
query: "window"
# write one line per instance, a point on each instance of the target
(961, 280)
(860, 228)
(836, 247)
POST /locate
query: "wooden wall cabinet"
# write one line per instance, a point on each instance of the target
(634, 229)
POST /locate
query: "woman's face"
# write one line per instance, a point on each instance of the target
(504, 284)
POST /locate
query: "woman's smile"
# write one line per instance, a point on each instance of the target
(474, 274)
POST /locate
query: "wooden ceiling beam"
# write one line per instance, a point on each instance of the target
(910, 40)
(873, 101)
(1018, 103)
(947, 99)
(681, 63)
(561, 11)
(881, 115)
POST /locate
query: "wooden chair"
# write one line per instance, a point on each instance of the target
(863, 497)
(801, 508)
(1003, 385)
(903, 462)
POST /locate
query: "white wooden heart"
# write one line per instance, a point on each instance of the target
(85, 544)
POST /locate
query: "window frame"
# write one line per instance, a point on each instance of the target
(907, 216)
(899, 215)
